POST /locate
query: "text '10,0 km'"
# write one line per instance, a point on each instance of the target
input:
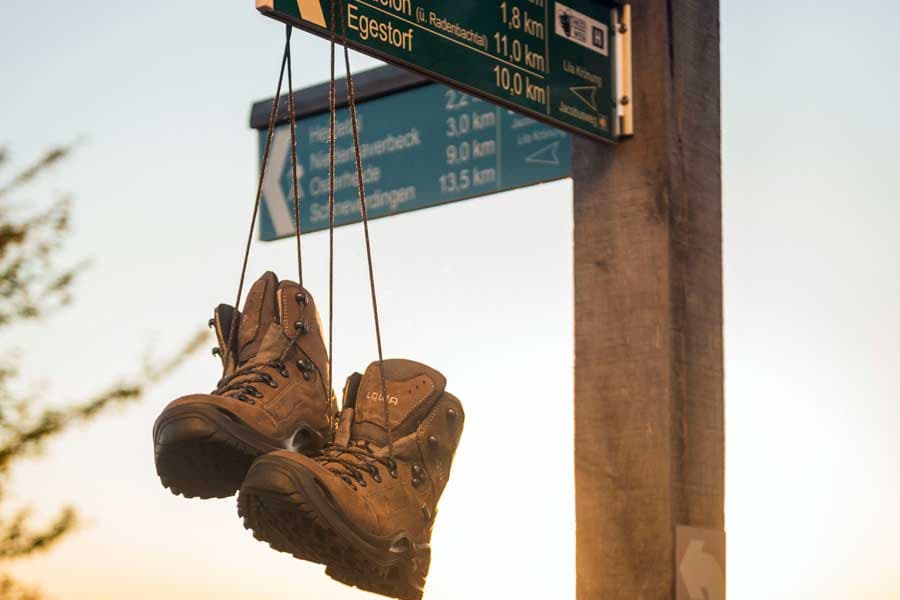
(566, 63)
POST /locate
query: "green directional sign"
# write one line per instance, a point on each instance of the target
(421, 147)
(566, 62)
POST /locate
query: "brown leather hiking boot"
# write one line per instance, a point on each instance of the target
(272, 396)
(356, 508)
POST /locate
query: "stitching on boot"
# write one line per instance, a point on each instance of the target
(276, 400)
(322, 383)
(437, 463)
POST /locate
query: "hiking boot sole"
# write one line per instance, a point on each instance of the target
(203, 451)
(286, 508)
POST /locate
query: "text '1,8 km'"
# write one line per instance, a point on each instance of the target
(567, 63)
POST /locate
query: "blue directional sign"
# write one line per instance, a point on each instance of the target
(421, 147)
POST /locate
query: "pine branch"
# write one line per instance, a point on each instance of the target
(10, 589)
(22, 441)
(50, 158)
(17, 539)
(31, 286)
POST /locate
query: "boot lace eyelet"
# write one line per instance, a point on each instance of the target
(301, 327)
(353, 463)
(244, 398)
(211, 323)
(306, 367)
(418, 476)
(216, 351)
(246, 380)
(302, 298)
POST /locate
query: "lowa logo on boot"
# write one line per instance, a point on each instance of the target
(392, 400)
(403, 397)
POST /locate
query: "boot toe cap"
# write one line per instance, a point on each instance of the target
(271, 477)
(184, 428)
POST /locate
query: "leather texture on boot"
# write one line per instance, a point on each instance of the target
(365, 513)
(273, 394)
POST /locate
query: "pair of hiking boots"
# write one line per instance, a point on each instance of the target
(357, 490)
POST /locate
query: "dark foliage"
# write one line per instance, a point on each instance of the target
(32, 285)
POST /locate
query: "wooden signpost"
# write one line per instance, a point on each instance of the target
(649, 401)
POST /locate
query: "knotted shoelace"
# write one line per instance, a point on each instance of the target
(337, 459)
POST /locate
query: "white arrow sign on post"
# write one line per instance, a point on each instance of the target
(700, 564)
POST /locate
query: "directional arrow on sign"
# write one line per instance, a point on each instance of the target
(701, 573)
(587, 94)
(548, 155)
(311, 10)
(273, 195)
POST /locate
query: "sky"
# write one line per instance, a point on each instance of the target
(162, 184)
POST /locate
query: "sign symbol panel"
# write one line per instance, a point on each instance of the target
(545, 156)
(587, 94)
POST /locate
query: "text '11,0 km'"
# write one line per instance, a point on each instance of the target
(567, 63)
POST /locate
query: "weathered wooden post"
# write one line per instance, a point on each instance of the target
(649, 426)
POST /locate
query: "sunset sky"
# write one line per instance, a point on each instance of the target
(163, 183)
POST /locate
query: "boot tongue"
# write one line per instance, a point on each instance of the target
(278, 327)
(260, 310)
(271, 345)
(412, 389)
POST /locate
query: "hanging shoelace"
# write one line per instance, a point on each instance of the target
(240, 379)
(331, 135)
(351, 102)
(348, 462)
(353, 471)
(240, 383)
(257, 373)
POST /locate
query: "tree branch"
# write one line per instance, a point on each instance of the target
(27, 440)
(50, 158)
(18, 540)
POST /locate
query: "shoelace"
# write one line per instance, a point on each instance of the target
(353, 472)
(243, 378)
